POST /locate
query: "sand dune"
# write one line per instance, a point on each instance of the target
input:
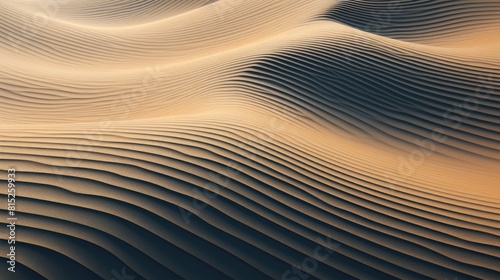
(239, 139)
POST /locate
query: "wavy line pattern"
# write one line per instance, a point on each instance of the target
(251, 139)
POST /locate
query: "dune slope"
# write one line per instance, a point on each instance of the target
(252, 139)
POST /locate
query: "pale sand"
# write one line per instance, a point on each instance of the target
(308, 118)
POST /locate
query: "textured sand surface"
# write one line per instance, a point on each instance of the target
(251, 139)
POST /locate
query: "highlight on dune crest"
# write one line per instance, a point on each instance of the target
(249, 139)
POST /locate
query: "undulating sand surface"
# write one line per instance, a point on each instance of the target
(251, 139)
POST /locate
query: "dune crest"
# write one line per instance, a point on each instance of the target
(237, 139)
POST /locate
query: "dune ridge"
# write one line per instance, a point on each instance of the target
(230, 139)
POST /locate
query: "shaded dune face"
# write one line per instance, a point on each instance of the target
(432, 22)
(251, 139)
